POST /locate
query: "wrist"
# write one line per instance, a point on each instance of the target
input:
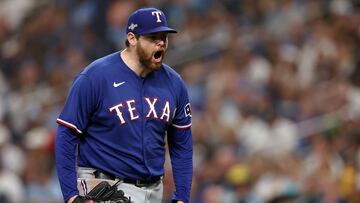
(71, 199)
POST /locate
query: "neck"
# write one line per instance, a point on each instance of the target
(132, 61)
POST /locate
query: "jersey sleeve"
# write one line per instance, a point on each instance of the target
(181, 152)
(181, 148)
(80, 104)
(182, 117)
(65, 155)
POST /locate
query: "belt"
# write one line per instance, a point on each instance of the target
(138, 183)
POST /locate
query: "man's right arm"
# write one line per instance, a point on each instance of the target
(65, 151)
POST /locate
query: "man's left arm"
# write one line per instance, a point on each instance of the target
(179, 137)
(181, 152)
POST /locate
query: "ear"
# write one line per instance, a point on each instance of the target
(132, 39)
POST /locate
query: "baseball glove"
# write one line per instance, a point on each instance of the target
(104, 192)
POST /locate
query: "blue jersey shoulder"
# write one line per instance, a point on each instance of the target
(98, 66)
(173, 75)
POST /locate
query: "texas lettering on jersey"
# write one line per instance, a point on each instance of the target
(130, 106)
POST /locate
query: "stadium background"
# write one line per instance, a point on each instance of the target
(274, 86)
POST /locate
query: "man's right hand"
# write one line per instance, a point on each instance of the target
(79, 199)
(71, 200)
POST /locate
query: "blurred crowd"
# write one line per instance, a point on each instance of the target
(274, 87)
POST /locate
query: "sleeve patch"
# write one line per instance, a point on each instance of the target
(187, 110)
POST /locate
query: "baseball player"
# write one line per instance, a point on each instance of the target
(118, 113)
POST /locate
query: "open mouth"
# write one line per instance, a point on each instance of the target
(158, 56)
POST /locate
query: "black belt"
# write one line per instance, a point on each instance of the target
(138, 183)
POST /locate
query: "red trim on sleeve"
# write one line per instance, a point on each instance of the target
(182, 126)
(69, 125)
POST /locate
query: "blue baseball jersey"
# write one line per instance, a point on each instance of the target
(122, 120)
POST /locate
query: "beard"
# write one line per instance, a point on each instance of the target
(147, 59)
